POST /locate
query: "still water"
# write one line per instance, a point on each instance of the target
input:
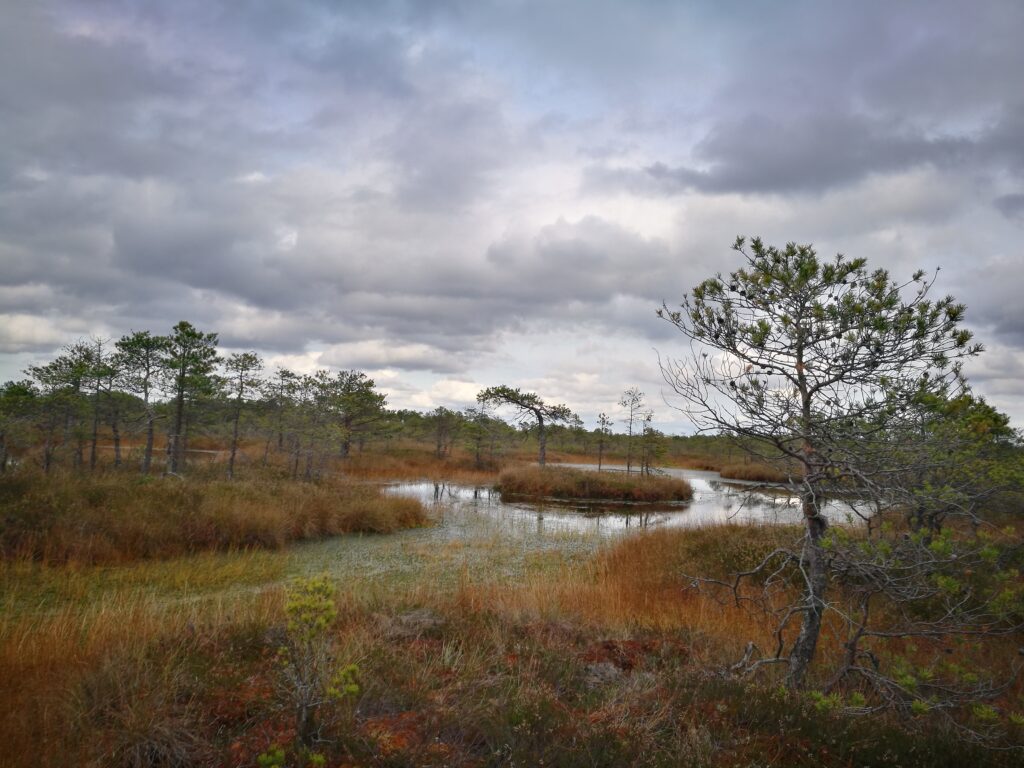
(477, 535)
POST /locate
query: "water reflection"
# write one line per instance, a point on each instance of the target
(466, 510)
(479, 536)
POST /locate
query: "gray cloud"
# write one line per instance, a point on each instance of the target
(760, 154)
(1011, 206)
(423, 186)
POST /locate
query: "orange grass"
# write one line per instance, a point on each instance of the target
(644, 583)
(638, 584)
(419, 465)
(117, 518)
(756, 471)
(44, 658)
(525, 645)
(567, 483)
(703, 463)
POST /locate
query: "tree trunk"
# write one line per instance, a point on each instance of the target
(542, 438)
(802, 654)
(305, 726)
(234, 444)
(629, 445)
(308, 474)
(48, 449)
(117, 442)
(147, 456)
(94, 438)
(3, 453)
(296, 450)
(813, 556)
(176, 436)
(177, 448)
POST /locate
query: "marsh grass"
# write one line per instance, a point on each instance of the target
(604, 661)
(404, 462)
(114, 518)
(755, 471)
(568, 483)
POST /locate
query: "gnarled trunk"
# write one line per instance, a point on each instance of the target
(802, 653)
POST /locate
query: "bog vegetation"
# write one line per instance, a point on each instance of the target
(566, 483)
(153, 615)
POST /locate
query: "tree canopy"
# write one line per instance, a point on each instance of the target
(529, 405)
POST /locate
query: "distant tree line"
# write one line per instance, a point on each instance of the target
(178, 386)
(149, 401)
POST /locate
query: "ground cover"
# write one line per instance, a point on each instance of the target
(608, 660)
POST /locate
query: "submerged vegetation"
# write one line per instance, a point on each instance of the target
(569, 483)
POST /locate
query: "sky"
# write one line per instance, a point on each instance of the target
(454, 194)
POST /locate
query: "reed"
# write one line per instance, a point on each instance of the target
(91, 519)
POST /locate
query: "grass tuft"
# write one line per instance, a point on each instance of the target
(567, 483)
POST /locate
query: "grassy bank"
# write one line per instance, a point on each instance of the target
(116, 518)
(566, 483)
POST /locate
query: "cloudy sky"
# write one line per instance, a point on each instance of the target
(460, 193)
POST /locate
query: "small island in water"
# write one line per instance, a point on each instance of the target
(576, 484)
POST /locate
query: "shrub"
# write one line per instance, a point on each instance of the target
(310, 677)
(140, 710)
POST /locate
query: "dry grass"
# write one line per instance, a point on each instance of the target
(640, 585)
(703, 463)
(419, 465)
(566, 483)
(118, 518)
(600, 664)
(756, 471)
(45, 659)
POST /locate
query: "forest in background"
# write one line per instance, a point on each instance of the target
(159, 402)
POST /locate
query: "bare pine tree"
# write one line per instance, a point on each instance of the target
(832, 368)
